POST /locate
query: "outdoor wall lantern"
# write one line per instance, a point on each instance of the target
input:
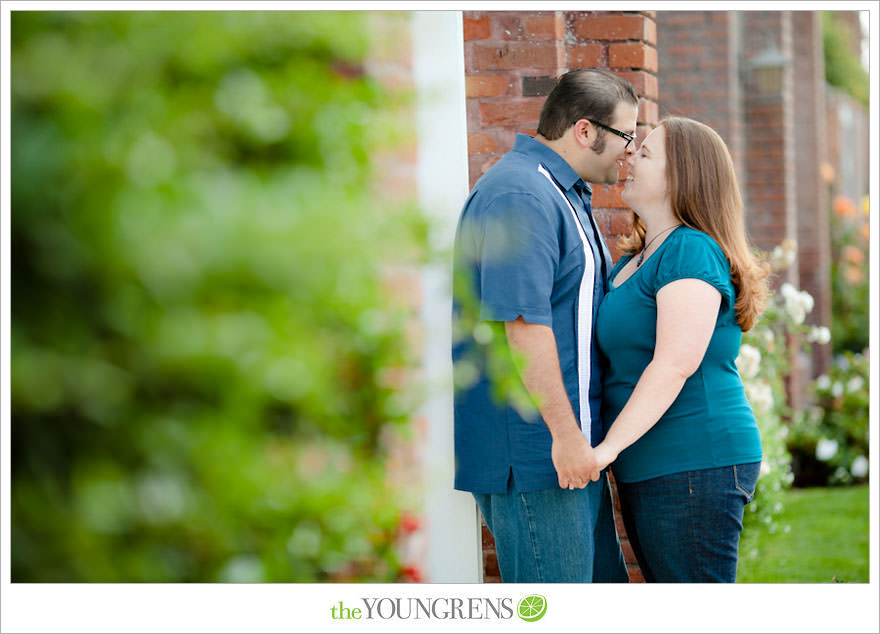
(769, 65)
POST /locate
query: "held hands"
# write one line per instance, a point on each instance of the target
(574, 460)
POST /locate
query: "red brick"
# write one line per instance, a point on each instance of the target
(685, 18)
(607, 196)
(600, 215)
(509, 25)
(487, 85)
(712, 64)
(588, 56)
(475, 162)
(648, 112)
(621, 223)
(476, 28)
(511, 113)
(486, 535)
(684, 50)
(616, 27)
(628, 553)
(544, 27)
(510, 56)
(490, 565)
(636, 56)
(645, 84)
(635, 575)
(616, 253)
(481, 144)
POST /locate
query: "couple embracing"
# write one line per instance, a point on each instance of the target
(629, 366)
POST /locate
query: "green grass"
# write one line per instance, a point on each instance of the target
(827, 540)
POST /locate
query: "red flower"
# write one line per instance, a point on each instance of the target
(411, 573)
(409, 523)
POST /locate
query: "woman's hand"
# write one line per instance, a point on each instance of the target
(604, 455)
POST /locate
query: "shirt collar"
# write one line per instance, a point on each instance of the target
(555, 164)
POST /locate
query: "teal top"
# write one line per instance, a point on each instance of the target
(711, 423)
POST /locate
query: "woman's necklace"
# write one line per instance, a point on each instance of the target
(645, 248)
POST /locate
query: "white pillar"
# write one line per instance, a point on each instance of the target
(453, 548)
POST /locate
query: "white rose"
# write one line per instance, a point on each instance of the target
(820, 335)
(760, 396)
(855, 384)
(807, 301)
(859, 467)
(837, 389)
(823, 382)
(749, 361)
(825, 449)
(797, 303)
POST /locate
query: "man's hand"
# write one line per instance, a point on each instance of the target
(574, 460)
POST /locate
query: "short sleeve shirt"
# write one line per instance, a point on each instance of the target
(526, 246)
(710, 424)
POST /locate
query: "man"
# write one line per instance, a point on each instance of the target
(530, 270)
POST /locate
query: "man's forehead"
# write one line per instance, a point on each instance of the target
(625, 116)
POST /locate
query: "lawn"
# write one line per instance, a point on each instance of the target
(827, 540)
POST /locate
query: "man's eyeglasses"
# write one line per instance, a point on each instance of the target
(629, 138)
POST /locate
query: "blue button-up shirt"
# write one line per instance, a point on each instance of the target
(526, 246)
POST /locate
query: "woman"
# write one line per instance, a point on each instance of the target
(683, 438)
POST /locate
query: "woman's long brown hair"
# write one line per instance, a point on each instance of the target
(704, 195)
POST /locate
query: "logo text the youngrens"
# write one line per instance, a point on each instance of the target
(440, 608)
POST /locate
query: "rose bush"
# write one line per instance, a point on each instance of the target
(764, 361)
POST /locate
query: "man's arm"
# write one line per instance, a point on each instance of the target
(572, 455)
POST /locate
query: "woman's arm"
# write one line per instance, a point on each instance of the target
(687, 310)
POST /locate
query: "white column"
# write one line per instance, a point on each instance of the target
(453, 548)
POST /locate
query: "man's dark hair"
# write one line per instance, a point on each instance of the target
(586, 93)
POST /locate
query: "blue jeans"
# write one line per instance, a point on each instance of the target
(555, 535)
(685, 527)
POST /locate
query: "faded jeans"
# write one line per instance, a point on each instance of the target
(555, 535)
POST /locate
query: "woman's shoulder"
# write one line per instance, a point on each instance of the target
(689, 252)
(699, 243)
(689, 234)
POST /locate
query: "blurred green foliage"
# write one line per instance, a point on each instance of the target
(830, 440)
(843, 68)
(764, 381)
(850, 288)
(201, 335)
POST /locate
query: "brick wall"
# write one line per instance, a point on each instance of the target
(699, 69)
(511, 62)
(811, 194)
(769, 129)
(777, 135)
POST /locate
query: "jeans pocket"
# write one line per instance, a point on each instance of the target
(745, 479)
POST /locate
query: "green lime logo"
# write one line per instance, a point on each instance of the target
(532, 607)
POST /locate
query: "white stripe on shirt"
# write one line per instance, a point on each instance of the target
(584, 317)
